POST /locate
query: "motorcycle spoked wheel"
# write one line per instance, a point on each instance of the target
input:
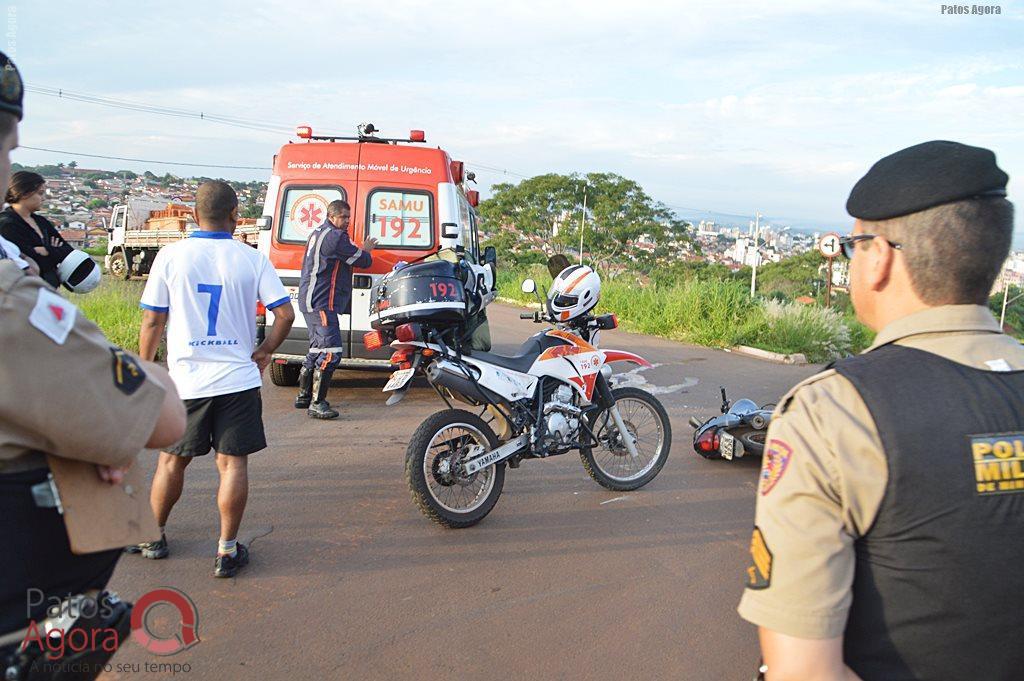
(610, 465)
(437, 446)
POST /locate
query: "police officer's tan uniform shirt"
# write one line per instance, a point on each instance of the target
(66, 390)
(824, 475)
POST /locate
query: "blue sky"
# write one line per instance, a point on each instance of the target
(725, 106)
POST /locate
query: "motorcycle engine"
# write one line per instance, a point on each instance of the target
(561, 417)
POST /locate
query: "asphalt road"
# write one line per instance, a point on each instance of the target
(564, 579)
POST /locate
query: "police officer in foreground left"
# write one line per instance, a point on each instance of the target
(74, 412)
(889, 533)
(325, 291)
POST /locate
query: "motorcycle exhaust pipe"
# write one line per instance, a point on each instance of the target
(448, 375)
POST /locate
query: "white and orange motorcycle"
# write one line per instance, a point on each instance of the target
(553, 396)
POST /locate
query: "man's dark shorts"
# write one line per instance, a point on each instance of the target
(229, 424)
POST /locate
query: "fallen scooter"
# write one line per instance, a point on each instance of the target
(737, 432)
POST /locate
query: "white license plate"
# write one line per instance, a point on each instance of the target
(726, 445)
(399, 379)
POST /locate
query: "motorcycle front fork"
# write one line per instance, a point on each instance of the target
(627, 438)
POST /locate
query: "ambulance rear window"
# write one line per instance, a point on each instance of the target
(303, 209)
(400, 218)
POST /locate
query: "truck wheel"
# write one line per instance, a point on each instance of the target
(119, 266)
(286, 375)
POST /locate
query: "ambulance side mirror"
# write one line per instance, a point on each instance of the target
(529, 286)
(490, 255)
(263, 223)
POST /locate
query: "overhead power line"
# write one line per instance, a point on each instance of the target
(144, 160)
(129, 105)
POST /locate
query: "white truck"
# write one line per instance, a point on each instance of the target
(142, 226)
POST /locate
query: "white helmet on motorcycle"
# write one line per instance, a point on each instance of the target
(79, 272)
(574, 292)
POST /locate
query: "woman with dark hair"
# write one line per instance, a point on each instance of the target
(36, 236)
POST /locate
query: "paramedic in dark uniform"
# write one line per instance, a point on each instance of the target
(74, 409)
(325, 291)
(890, 513)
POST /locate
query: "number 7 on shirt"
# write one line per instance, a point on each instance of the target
(214, 309)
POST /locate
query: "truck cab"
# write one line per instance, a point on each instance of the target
(411, 199)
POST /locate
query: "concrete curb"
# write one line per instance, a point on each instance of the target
(796, 358)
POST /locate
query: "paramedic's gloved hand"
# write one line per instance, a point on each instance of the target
(369, 244)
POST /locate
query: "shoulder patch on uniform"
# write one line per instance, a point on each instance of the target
(53, 315)
(776, 461)
(998, 460)
(128, 373)
(759, 574)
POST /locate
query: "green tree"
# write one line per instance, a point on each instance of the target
(1014, 309)
(73, 165)
(793, 276)
(618, 211)
(97, 203)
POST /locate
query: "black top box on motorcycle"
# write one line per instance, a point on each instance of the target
(427, 292)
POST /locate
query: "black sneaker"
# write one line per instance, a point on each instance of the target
(154, 550)
(227, 566)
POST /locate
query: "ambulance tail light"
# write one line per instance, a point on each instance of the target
(417, 136)
(473, 197)
(261, 311)
(373, 340)
(458, 174)
(407, 333)
(304, 132)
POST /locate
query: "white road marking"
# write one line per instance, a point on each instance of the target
(611, 500)
(633, 379)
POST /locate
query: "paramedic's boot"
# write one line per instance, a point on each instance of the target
(320, 409)
(305, 395)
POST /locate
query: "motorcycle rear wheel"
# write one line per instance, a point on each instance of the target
(440, 442)
(610, 465)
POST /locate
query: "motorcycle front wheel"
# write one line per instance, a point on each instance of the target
(609, 463)
(432, 461)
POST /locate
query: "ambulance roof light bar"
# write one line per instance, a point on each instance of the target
(366, 134)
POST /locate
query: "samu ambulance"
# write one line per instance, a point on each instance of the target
(412, 199)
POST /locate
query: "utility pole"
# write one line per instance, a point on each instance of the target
(757, 253)
(1006, 291)
(583, 222)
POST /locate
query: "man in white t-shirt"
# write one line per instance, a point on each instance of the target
(204, 289)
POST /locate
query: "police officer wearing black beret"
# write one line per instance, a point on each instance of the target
(74, 412)
(889, 533)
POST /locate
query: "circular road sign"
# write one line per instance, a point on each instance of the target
(829, 245)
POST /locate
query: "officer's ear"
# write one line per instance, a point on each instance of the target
(881, 263)
(233, 218)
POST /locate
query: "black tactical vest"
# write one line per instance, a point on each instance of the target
(938, 591)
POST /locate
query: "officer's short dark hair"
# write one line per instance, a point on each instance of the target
(335, 207)
(23, 183)
(214, 202)
(954, 252)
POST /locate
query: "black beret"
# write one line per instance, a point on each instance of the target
(924, 176)
(11, 90)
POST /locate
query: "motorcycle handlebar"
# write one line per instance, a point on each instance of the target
(527, 315)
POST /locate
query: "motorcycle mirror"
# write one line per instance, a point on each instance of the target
(557, 263)
(725, 400)
(529, 286)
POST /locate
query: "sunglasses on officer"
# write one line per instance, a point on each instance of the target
(848, 244)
